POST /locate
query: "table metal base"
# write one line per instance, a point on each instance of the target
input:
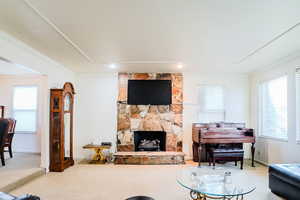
(199, 196)
(99, 157)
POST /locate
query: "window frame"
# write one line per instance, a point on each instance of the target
(36, 110)
(260, 112)
(297, 93)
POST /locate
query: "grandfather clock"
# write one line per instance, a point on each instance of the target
(61, 128)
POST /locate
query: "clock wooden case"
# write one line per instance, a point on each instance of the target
(61, 128)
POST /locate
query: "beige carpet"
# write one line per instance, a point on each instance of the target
(21, 166)
(118, 182)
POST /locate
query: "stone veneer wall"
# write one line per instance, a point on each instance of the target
(166, 118)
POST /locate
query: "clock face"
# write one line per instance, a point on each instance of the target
(67, 102)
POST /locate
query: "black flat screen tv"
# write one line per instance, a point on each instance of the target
(149, 92)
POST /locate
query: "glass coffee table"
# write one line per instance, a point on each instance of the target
(219, 183)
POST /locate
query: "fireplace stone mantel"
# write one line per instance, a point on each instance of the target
(166, 118)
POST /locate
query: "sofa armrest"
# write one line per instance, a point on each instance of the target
(27, 197)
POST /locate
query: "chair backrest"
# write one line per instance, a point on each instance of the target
(4, 126)
(12, 125)
(11, 130)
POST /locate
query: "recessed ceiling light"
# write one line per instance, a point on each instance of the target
(179, 66)
(112, 66)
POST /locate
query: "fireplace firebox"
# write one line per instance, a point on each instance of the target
(150, 140)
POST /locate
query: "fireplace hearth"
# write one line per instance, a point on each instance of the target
(150, 140)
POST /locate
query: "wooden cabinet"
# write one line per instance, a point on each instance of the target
(61, 128)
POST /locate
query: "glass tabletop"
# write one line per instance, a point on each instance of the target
(215, 182)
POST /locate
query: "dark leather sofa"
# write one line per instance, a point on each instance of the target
(284, 180)
(5, 196)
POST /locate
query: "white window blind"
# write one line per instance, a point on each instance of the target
(298, 103)
(25, 108)
(273, 108)
(211, 103)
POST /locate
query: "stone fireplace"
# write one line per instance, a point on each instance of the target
(154, 118)
(150, 140)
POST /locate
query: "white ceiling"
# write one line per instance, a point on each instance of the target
(153, 35)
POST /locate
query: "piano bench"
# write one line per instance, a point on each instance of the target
(226, 155)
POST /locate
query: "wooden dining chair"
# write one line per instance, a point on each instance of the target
(10, 135)
(2, 111)
(4, 126)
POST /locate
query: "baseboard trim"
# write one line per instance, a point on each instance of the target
(32, 153)
(12, 186)
(262, 163)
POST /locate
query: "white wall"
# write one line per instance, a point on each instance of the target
(97, 111)
(23, 142)
(236, 95)
(57, 75)
(96, 106)
(272, 150)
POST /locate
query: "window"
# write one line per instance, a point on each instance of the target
(211, 101)
(25, 108)
(297, 104)
(273, 108)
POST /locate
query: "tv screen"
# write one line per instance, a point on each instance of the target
(149, 92)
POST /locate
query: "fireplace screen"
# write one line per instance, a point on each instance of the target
(150, 140)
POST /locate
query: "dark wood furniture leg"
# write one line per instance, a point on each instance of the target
(10, 151)
(235, 163)
(2, 158)
(214, 162)
(242, 163)
(199, 154)
(253, 153)
(195, 152)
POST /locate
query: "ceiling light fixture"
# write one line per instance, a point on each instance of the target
(113, 66)
(179, 66)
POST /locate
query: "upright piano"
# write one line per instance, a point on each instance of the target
(233, 134)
